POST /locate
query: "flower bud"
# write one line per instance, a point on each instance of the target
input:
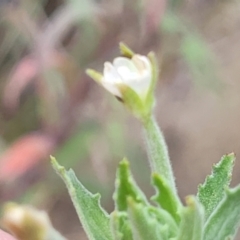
(27, 223)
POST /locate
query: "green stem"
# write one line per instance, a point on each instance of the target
(158, 151)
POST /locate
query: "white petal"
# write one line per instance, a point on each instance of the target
(124, 62)
(135, 73)
(112, 88)
(142, 63)
(140, 86)
(110, 74)
(145, 70)
(110, 79)
(126, 69)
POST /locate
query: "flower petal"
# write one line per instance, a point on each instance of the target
(140, 85)
(110, 79)
(110, 74)
(135, 73)
(124, 62)
(142, 63)
(126, 69)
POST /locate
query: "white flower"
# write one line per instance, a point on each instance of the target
(136, 73)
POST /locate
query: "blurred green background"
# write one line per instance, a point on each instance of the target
(49, 106)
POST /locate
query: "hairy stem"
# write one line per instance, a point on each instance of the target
(158, 151)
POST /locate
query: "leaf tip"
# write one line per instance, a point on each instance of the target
(158, 179)
(53, 161)
(130, 201)
(124, 163)
(154, 175)
(232, 156)
(192, 202)
(58, 168)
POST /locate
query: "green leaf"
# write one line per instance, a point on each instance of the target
(95, 220)
(144, 226)
(128, 197)
(191, 226)
(166, 198)
(170, 228)
(225, 220)
(121, 228)
(213, 190)
(125, 187)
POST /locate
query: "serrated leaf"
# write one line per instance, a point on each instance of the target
(225, 220)
(143, 225)
(166, 198)
(120, 225)
(95, 220)
(125, 186)
(192, 216)
(213, 190)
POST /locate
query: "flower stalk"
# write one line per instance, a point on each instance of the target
(132, 78)
(158, 151)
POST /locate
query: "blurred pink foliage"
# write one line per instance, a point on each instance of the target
(23, 154)
(21, 75)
